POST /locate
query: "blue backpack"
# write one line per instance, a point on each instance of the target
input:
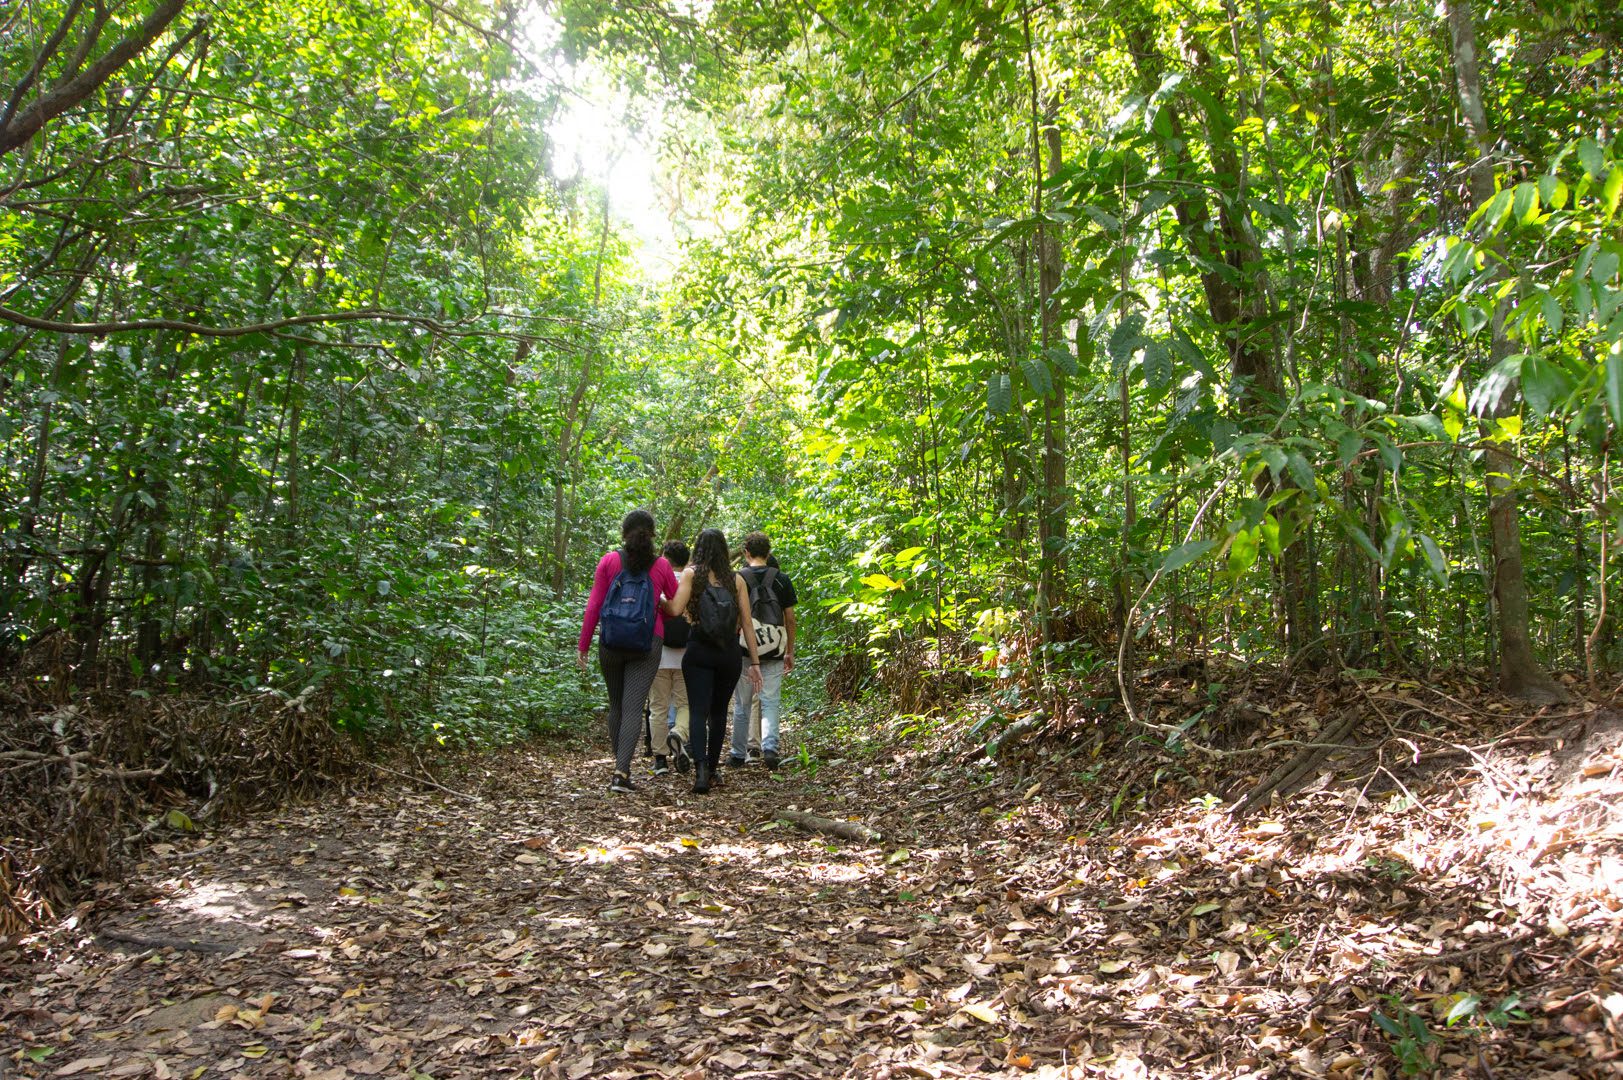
(627, 622)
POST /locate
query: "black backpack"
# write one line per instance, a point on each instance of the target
(676, 631)
(718, 615)
(766, 612)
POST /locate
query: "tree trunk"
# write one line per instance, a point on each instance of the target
(1520, 674)
(1051, 518)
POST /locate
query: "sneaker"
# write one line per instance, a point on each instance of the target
(621, 784)
(754, 757)
(770, 759)
(735, 762)
(661, 766)
(679, 753)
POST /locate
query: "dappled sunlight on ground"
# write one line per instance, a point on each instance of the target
(537, 926)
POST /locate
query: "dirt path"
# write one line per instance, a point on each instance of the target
(543, 927)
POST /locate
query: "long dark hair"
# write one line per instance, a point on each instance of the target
(637, 534)
(710, 556)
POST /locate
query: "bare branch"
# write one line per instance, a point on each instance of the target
(60, 99)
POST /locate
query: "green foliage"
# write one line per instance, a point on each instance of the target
(1411, 1040)
(1030, 321)
(1267, 289)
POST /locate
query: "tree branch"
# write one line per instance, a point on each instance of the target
(102, 329)
(60, 99)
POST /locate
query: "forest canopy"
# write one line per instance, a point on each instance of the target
(1055, 336)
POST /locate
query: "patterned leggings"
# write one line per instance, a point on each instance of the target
(628, 676)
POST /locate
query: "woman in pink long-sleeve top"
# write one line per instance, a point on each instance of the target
(628, 672)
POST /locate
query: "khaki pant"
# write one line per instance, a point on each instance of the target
(668, 687)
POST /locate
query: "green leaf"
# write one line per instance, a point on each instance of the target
(1434, 557)
(1038, 376)
(1614, 188)
(1184, 554)
(1604, 267)
(1125, 340)
(1361, 538)
(1348, 446)
(1550, 308)
(1552, 192)
(1157, 365)
(1462, 1008)
(883, 582)
(1485, 397)
(1544, 384)
(999, 393)
(1243, 552)
(1060, 356)
(1589, 154)
(1275, 457)
(1524, 204)
(1300, 470)
(1105, 220)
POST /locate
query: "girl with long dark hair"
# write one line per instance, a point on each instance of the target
(632, 573)
(717, 604)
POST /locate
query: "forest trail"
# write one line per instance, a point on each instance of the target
(542, 927)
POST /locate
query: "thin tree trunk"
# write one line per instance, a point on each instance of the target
(1520, 674)
(1051, 520)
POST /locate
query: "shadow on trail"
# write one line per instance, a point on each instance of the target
(546, 928)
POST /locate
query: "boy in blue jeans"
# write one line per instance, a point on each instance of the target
(775, 642)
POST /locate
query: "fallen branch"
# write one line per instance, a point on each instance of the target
(1293, 771)
(120, 937)
(1012, 734)
(846, 830)
(424, 781)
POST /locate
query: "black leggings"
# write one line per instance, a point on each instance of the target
(710, 674)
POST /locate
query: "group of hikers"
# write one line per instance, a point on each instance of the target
(675, 629)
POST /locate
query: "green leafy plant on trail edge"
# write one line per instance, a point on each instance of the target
(1415, 1045)
(1412, 1042)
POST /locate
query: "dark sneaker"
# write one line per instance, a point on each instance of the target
(770, 759)
(701, 780)
(754, 757)
(735, 762)
(679, 753)
(621, 784)
(661, 766)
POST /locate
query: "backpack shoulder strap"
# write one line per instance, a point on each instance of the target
(769, 577)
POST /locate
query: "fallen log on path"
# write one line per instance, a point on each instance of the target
(846, 830)
(1296, 771)
(1010, 735)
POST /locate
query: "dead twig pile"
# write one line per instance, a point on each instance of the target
(83, 785)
